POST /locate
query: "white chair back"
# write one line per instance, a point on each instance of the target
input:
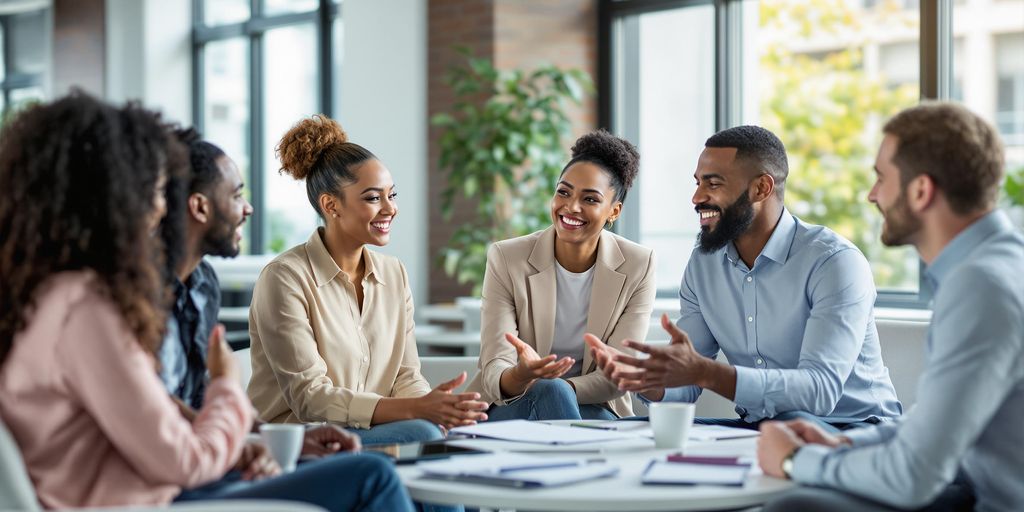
(16, 491)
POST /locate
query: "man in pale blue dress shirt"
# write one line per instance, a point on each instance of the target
(790, 304)
(939, 169)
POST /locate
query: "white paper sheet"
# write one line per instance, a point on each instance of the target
(535, 432)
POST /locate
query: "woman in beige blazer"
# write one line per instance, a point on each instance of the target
(542, 292)
(331, 322)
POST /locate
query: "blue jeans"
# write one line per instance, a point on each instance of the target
(338, 483)
(548, 399)
(830, 426)
(407, 431)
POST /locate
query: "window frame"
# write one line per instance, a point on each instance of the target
(936, 82)
(254, 28)
(11, 80)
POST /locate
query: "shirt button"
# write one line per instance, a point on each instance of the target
(749, 279)
(750, 319)
(365, 359)
(360, 327)
(760, 361)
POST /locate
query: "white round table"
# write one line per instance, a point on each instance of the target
(621, 492)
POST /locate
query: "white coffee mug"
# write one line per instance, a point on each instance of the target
(284, 442)
(671, 422)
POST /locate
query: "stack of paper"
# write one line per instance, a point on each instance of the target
(535, 432)
(516, 470)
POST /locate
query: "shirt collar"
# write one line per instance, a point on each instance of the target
(325, 268)
(958, 249)
(779, 243)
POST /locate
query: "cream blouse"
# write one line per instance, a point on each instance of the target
(314, 356)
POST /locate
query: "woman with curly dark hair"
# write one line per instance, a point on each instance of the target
(82, 314)
(542, 292)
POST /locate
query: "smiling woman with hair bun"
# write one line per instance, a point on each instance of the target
(544, 291)
(331, 321)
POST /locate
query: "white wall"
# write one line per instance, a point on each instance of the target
(383, 106)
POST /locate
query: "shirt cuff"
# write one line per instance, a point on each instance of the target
(360, 409)
(863, 436)
(808, 464)
(750, 388)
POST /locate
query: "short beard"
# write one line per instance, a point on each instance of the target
(900, 223)
(220, 239)
(733, 222)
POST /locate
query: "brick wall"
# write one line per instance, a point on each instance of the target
(514, 33)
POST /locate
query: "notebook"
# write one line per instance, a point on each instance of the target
(661, 472)
(521, 471)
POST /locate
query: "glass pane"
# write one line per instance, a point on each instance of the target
(664, 102)
(22, 97)
(272, 7)
(991, 68)
(225, 12)
(290, 89)
(28, 43)
(226, 104)
(824, 77)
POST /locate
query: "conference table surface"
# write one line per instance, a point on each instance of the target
(623, 491)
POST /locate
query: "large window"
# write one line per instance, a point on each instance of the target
(261, 65)
(24, 51)
(823, 76)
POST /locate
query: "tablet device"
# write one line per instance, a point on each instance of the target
(408, 453)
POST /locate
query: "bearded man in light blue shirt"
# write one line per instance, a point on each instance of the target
(939, 170)
(790, 304)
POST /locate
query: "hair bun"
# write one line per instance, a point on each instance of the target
(300, 148)
(619, 155)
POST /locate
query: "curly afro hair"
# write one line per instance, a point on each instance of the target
(77, 185)
(617, 156)
(317, 150)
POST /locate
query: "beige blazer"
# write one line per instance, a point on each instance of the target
(519, 296)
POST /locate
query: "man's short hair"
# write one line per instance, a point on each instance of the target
(959, 150)
(203, 157)
(757, 149)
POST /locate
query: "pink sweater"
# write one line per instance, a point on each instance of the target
(94, 423)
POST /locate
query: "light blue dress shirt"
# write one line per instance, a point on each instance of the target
(970, 408)
(799, 326)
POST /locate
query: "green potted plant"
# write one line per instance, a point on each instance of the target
(503, 144)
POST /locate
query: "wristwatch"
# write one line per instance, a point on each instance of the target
(787, 463)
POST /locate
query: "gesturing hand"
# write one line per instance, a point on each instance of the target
(604, 355)
(678, 364)
(447, 409)
(530, 367)
(328, 439)
(256, 463)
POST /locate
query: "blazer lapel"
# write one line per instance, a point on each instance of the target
(604, 295)
(543, 292)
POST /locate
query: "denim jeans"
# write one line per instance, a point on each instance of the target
(829, 425)
(342, 482)
(407, 431)
(548, 399)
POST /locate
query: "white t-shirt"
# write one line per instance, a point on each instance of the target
(571, 309)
